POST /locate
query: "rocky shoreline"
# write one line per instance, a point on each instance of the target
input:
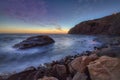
(101, 64)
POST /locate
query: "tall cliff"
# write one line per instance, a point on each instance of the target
(109, 25)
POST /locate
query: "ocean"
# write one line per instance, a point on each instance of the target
(14, 60)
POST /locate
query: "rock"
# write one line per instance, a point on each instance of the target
(109, 25)
(79, 76)
(30, 68)
(48, 78)
(105, 68)
(69, 78)
(27, 75)
(93, 56)
(72, 71)
(112, 52)
(60, 71)
(34, 41)
(80, 63)
(1, 78)
(4, 76)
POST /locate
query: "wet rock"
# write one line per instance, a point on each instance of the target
(112, 52)
(69, 78)
(48, 78)
(34, 41)
(79, 76)
(105, 68)
(60, 71)
(30, 68)
(72, 71)
(1, 78)
(26, 75)
(4, 76)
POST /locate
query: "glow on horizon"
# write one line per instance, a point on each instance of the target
(51, 16)
(43, 31)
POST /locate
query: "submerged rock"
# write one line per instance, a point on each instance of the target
(105, 68)
(34, 41)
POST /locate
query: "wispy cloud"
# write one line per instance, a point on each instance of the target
(56, 26)
(59, 28)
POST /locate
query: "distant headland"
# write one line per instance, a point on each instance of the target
(109, 25)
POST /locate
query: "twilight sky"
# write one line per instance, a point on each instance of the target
(51, 16)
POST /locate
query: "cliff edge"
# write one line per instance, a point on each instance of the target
(109, 25)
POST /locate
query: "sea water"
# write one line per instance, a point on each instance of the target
(12, 59)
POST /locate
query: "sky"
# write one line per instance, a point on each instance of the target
(51, 16)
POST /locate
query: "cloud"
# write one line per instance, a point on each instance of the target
(56, 26)
(59, 28)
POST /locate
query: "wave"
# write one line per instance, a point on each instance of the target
(17, 60)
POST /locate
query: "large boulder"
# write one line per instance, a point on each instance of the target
(112, 52)
(79, 64)
(106, 25)
(105, 68)
(60, 71)
(25, 75)
(34, 41)
(30, 74)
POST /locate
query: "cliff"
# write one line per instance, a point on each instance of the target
(109, 25)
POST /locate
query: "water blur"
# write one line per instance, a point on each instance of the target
(16, 60)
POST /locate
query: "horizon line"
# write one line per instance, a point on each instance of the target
(30, 33)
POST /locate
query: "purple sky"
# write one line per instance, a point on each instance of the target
(52, 14)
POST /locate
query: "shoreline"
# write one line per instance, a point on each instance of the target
(65, 62)
(57, 49)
